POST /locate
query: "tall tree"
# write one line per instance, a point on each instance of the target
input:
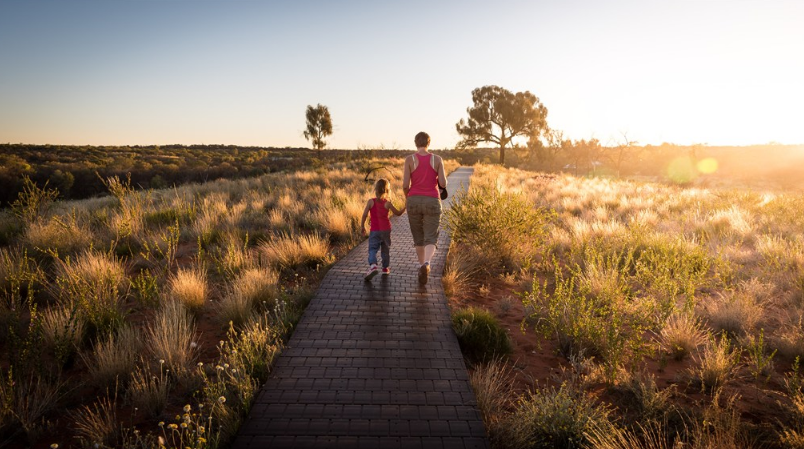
(319, 125)
(499, 115)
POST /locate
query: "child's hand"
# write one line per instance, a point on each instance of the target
(365, 233)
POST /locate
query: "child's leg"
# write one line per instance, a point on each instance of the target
(374, 246)
(385, 249)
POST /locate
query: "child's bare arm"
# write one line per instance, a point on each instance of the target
(368, 207)
(396, 211)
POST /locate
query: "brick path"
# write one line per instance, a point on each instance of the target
(372, 365)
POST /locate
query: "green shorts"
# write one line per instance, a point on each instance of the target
(424, 214)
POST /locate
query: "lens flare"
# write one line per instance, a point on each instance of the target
(682, 170)
(707, 166)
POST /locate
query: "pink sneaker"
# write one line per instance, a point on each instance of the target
(386, 271)
(371, 273)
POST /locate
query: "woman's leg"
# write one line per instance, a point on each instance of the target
(421, 254)
(428, 251)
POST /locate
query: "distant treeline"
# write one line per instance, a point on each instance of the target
(78, 171)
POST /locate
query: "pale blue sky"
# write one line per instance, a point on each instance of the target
(242, 72)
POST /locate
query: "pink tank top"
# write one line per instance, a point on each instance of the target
(424, 179)
(379, 216)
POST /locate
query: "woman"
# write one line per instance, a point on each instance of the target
(424, 172)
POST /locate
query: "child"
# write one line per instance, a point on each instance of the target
(380, 237)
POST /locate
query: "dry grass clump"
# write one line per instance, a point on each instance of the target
(97, 425)
(64, 235)
(25, 399)
(148, 392)
(737, 312)
(463, 270)
(113, 358)
(681, 335)
(334, 222)
(715, 364)
(789, 338)
(254, 286)
(171, 337)
(288, 251)
(189, 287)
(493, 387)
(94, 283)
(63, 329)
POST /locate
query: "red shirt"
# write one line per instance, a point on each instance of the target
(379, 216)
(424, 179)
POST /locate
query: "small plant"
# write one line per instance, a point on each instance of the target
(480, 335)
(759, 360)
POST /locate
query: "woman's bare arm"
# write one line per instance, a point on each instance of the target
(442, 177)
(406, 177)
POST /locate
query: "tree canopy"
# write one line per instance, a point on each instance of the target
(319, 125)
(499, 115)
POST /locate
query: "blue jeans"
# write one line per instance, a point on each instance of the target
(380, 240)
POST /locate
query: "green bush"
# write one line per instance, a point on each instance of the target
(481, 337)
(505, 225)
(553, 418)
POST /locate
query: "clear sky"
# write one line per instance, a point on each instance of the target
(106, 72)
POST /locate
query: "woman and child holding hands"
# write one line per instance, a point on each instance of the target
(423, 175)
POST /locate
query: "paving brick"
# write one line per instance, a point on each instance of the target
(371, 364)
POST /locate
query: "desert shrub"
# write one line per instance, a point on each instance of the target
(480, 335)
(114, 357)
(608, 326)
(189, 287)
(171, 337)
(503, 225)
(553, 418)
(672, 269)
(645, 400)
(681, 335)
(33, 202)
(291, 252)
(715, 365)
